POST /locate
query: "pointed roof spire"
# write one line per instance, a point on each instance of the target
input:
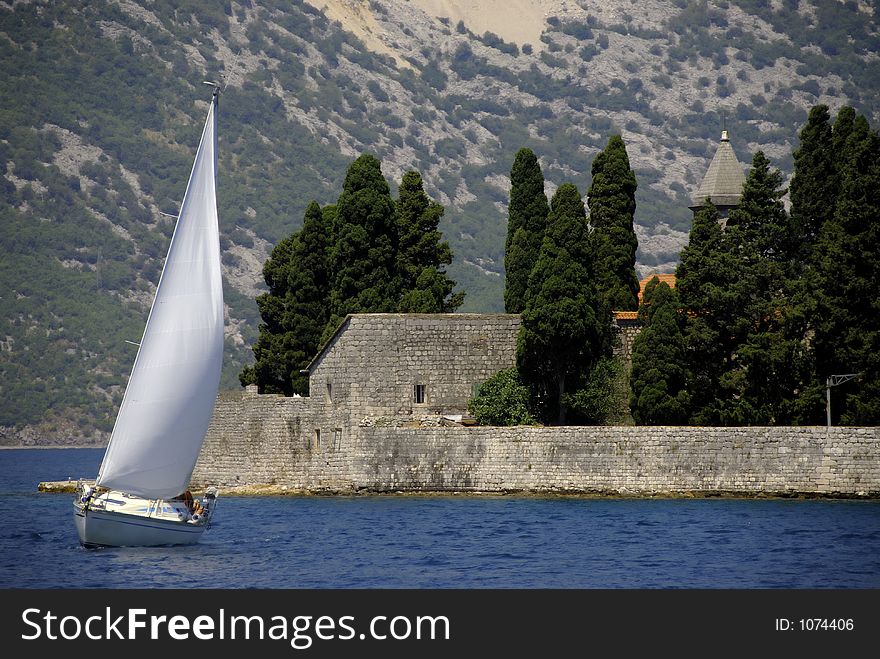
(724, 179)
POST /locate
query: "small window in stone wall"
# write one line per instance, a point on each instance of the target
(328, 398)
(418, 393)
(337, 438)
(317, 443)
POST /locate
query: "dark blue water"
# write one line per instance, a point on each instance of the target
(445, 542)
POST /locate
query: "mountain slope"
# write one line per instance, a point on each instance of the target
(103, 104)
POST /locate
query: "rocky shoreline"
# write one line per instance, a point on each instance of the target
(274, 490)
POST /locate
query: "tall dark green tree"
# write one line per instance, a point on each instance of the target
(527, 220)
(745, 364)
(760, 220)
(770, 358)
(847, 320)
(363, 259)
(565, 328)
(843, 128)
(658, 381)
(271, 371)
(422, 254)
(813, 192)
(612, 202)
(814, 184)
(713, 293)
(307, 312)
(294, 310)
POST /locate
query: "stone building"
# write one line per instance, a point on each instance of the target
(377, 372)
(408, 368)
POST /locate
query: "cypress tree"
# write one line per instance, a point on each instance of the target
(843, 128)
(565, 330)
(364, 258)
(745, 366)
(814, 184)
(527, 219)
(768, 366)
(847, 321)
(612, 203)
(271, 370)
(309, 279)
(294, 310)
(828, 275)
(760, 220)
(659, 378)
(516, 281)
(422, 255)
(859, 204)
(814, 190)
(713, 293)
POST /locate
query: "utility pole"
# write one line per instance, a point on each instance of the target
(833, 381)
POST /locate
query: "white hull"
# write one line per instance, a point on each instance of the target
(98, 528)
(114, 519)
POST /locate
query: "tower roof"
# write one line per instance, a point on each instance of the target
(724, 180)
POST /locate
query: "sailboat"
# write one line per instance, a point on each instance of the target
(140, 497)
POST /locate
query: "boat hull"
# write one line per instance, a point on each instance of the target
(116, 519)
(99, 528)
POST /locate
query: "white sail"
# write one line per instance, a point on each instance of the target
(170, 396)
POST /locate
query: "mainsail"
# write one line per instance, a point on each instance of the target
(170, 396)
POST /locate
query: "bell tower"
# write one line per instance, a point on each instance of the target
(723, 181)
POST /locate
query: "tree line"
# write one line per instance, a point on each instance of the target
(565, 273)
(370, 253)
(769, 306)
(367, 253)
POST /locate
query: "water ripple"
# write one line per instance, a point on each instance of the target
(448, 542)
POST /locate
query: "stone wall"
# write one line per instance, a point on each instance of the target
(628, 460)
(626, 329)
(267, 440)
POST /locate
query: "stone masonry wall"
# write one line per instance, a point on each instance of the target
(627, 330)
(270, 440)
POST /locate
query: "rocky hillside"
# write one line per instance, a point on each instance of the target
(103, 104)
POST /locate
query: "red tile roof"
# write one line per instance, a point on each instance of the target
(633, 315)
(668, 278)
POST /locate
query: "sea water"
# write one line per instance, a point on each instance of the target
(444, 541)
